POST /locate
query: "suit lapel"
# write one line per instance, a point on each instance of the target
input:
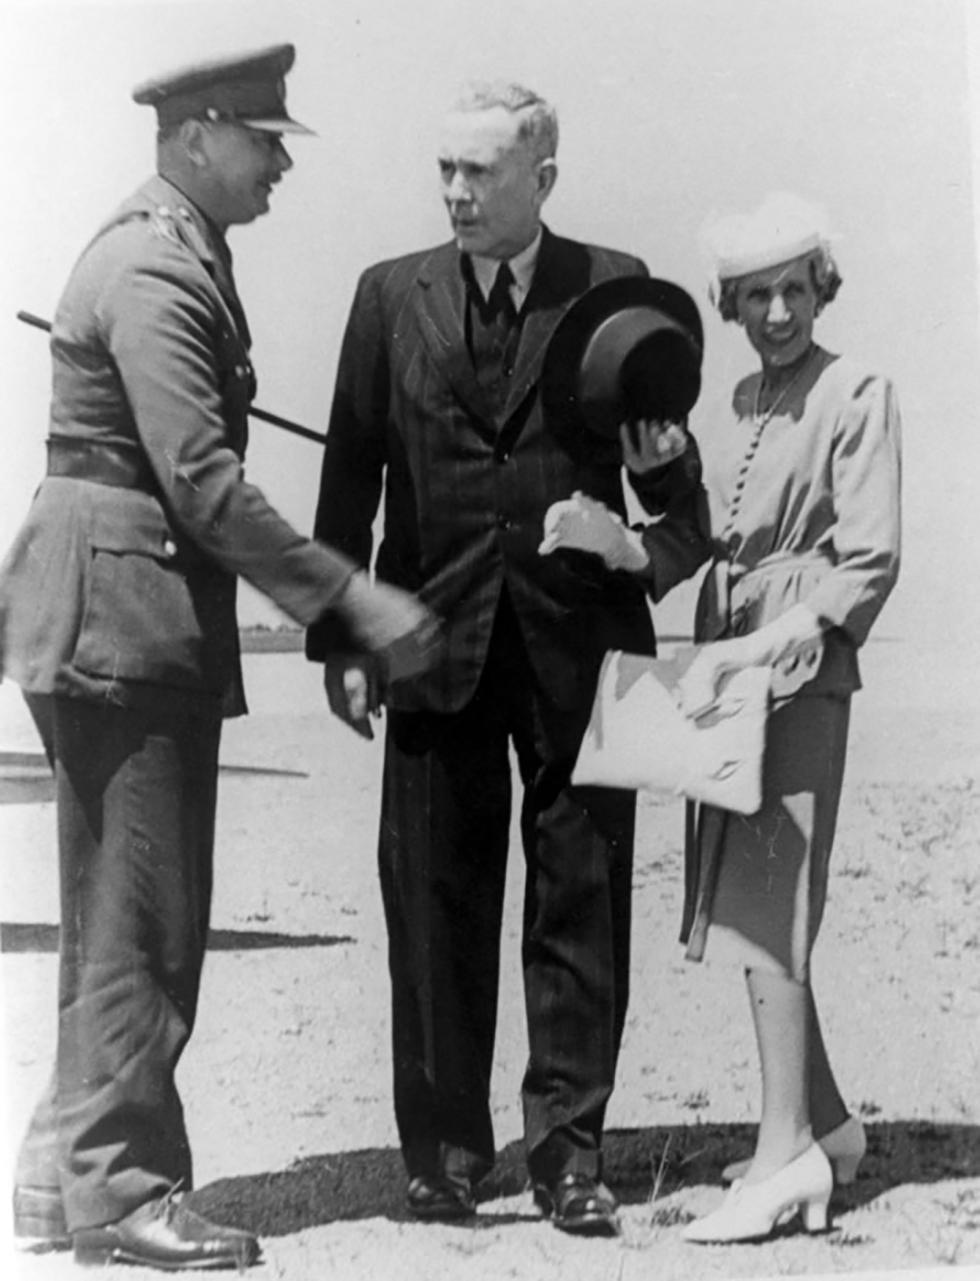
(441, 310)
(559, 278)
(561, 275)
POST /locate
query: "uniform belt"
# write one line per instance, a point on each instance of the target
(101, 462)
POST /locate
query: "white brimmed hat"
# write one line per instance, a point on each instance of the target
(784, 227)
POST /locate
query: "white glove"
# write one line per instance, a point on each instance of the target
(584, 524)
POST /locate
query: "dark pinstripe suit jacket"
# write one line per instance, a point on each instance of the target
(465, 490)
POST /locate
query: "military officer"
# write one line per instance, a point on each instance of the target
(117, 619)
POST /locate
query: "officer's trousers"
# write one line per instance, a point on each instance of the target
(136, 806)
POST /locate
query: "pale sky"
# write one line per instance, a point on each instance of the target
(669, 110)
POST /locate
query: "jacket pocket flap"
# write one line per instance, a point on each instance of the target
(137, 530)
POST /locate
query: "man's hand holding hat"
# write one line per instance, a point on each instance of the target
(649, 444)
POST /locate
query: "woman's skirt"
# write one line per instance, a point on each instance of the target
(756, 885)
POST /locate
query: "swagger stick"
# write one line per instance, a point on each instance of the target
(286, 424)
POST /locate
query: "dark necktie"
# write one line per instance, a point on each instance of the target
(494, 335)
(500, 304)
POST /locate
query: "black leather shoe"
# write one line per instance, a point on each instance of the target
(39, 1215)
(581, 1205)
(441, 1197)
(168, 1235)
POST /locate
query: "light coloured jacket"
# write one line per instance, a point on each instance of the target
(805, 508)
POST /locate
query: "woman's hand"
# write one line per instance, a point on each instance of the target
(699, 687)
(583, 524)
(791, 643)
(648, 444)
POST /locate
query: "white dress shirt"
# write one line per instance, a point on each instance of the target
(522, 268)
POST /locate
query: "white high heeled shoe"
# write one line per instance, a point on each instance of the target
(844, 1148)
(750, 1211)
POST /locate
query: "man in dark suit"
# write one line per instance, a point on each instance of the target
(437, 399)
(117, 619)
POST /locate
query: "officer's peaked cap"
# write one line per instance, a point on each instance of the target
(249, 88)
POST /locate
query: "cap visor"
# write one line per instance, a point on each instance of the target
(284, 125)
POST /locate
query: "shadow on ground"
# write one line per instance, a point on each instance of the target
(371, 1182)
(32, 937)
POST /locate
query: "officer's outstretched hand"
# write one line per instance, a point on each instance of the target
(402, 634)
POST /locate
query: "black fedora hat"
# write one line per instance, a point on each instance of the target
(629, 348)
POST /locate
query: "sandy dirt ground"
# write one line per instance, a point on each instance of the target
(286, 1081)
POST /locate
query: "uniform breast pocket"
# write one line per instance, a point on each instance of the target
(140, 621)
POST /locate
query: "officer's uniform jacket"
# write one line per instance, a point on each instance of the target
(128, 591)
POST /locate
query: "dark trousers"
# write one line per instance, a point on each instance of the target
(136, 804)
(443, 849)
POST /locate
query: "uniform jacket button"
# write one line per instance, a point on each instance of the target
(169, 547)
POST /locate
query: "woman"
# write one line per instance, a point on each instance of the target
(803, 507)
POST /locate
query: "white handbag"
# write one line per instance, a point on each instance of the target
(638, 738)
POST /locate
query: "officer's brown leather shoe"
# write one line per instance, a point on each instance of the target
(168, 1235)
(580, 1205)
(39, 1215)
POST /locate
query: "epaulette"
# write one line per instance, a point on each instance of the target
(191, 233)
(173, 223)
(177, 224)
(163, 223)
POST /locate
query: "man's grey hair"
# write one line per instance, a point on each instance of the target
(539, 124)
